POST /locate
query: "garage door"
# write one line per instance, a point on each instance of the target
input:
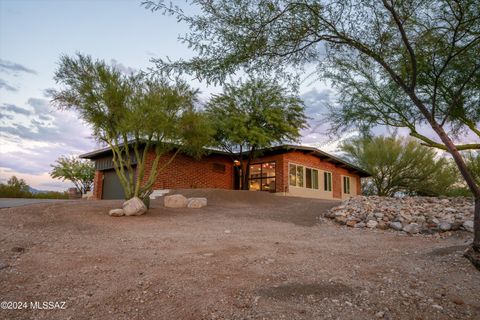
(112, 188)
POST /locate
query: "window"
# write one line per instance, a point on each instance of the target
(219, 167)
(299, 176)
(327, 181)
(346, 185)
(311, 178)
(262, 177)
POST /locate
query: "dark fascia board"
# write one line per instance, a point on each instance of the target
(107, 152)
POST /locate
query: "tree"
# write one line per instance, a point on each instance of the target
(134, 115)
(400, 165)
(253, 115)
(405, 63)
(15, 188)
(80, 172)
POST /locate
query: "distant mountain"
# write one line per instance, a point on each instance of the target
(36, 191)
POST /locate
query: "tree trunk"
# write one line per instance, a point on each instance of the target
(469, 179)
(476, 226)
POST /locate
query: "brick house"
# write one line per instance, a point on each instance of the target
(286, 170)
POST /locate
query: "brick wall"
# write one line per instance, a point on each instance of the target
(307, 160)
(98, 185)
(186, 172)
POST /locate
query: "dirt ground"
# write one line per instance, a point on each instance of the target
(246, 256)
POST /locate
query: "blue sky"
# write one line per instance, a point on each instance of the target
(33, 35)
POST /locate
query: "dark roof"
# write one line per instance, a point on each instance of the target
(267, 151)
(104, 152)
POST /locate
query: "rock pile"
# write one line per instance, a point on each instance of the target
(409, 214)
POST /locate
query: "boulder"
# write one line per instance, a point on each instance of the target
(196, 203)
(372, 224)
(360, 225)
(396, 225)
(444, 226)
(468, 225)
(175, 201)
(351, 223)
(116, 213)
(134, 207)
(412, 228)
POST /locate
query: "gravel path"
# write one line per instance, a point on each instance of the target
(267, 257)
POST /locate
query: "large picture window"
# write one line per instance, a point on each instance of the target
(262, 177)
(300, 176)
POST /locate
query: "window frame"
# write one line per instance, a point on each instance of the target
(261, 177)
(314, 184)
(327, 183)
(346, 185)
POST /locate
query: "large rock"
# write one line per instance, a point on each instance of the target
(116, 212)
(134, 207)
(396, 225)
(372, 224)
(197, 203)
(468, 225)
(445, 226)
(412, 228)
(175, 201)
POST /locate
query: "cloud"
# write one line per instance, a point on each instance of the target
(11, 108)
(35, 135)
(6, 86)
(14, 68)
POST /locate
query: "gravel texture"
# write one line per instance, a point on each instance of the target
(246, 255)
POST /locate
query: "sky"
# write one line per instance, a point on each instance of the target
(34, 34)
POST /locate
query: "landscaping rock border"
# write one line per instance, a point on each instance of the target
(409, 214)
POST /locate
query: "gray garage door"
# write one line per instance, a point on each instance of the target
(112, 188)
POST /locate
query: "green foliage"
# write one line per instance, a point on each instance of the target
(402, 63)
(18, 188)
(133, 114)
(14, 188)
(80, 172)
(400, 165)
(395, 63)
(253, 115)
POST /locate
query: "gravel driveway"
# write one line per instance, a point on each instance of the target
(245, 256)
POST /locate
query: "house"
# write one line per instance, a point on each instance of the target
(285, 170)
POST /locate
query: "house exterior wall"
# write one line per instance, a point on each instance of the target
(185, 172)
(307, 160)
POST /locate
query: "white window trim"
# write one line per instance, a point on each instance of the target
(319, 171)
(331, 181)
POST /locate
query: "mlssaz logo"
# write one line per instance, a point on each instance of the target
(47, 305)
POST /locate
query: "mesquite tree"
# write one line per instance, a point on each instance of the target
(80, 172)
(400, 165)
(253, 115)
(405, 63)
(134, 115)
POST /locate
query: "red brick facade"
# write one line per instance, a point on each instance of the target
(185, 172)
(98, 185)
(217, 171)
